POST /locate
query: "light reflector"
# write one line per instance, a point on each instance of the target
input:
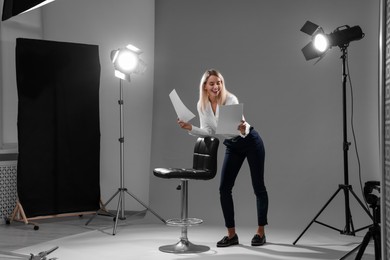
(127, 61)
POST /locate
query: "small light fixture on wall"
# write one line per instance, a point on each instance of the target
(14, 7)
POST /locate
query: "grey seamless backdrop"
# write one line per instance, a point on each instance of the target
(295, 106)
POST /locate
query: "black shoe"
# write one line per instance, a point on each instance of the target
(225, 241)
(258, 241)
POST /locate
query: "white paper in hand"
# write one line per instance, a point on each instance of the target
(183, 113)
(229, 119)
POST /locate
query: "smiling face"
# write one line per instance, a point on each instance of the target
(213, 87)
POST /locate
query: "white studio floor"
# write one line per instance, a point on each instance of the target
(140, 239)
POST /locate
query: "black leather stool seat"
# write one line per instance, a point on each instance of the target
(178, 173)
(204, 162)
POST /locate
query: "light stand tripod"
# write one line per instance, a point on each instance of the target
(346, 187)
(122, 191)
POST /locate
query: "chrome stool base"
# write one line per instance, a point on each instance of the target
(204, 167)
(184, 247)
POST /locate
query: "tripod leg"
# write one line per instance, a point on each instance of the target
(104, 206)
(361, 203)
(377, 243)
(349, 227)
(364, 244)
(147, 207)
(91, 218)
(318, 214)
(110, 199)
(350, 252)
(117, 213)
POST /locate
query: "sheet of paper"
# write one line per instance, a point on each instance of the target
(229, 118)
(183, 113)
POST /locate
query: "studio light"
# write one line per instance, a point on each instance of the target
(127, 61)
(15, 7)
(318, 47)
(322, 42)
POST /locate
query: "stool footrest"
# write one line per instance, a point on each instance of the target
(177, 222)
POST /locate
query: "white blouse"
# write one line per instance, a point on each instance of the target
(209, 120)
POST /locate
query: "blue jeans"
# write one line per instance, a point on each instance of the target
(251, 147)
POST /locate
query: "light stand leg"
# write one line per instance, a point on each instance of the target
(364, 245)
(377, 243)
(145, 206)
(350, 252)
(363, 207)
(121, 191)
(318, 214)
(103, 208)
(120, 200)
(373, 233)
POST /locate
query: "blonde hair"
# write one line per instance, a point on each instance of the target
(203, 97)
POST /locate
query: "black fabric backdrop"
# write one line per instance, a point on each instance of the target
(58, 127)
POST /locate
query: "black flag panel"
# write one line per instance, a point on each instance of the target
(58, 127)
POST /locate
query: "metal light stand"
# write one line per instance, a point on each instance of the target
(346, 187)
(120, 211)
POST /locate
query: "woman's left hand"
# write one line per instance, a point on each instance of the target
(242, 127)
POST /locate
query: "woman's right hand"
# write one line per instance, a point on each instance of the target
(184, 125)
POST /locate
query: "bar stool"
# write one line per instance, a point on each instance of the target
(204, 168)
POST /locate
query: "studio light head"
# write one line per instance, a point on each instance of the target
(127, 61)
(372, 199)
(369, 187)
(322, 42)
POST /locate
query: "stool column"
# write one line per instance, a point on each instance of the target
(184, 208)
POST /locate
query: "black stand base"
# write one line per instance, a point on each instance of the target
(120, 208)
(349, 228)
(374, 233)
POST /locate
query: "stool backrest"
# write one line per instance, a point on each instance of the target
(205, 155)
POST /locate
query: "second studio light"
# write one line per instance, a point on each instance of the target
(127, 61)
(317, 48)
(322, 42)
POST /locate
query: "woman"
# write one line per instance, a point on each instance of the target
(246, 144)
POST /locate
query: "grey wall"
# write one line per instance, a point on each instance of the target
(295, 106)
